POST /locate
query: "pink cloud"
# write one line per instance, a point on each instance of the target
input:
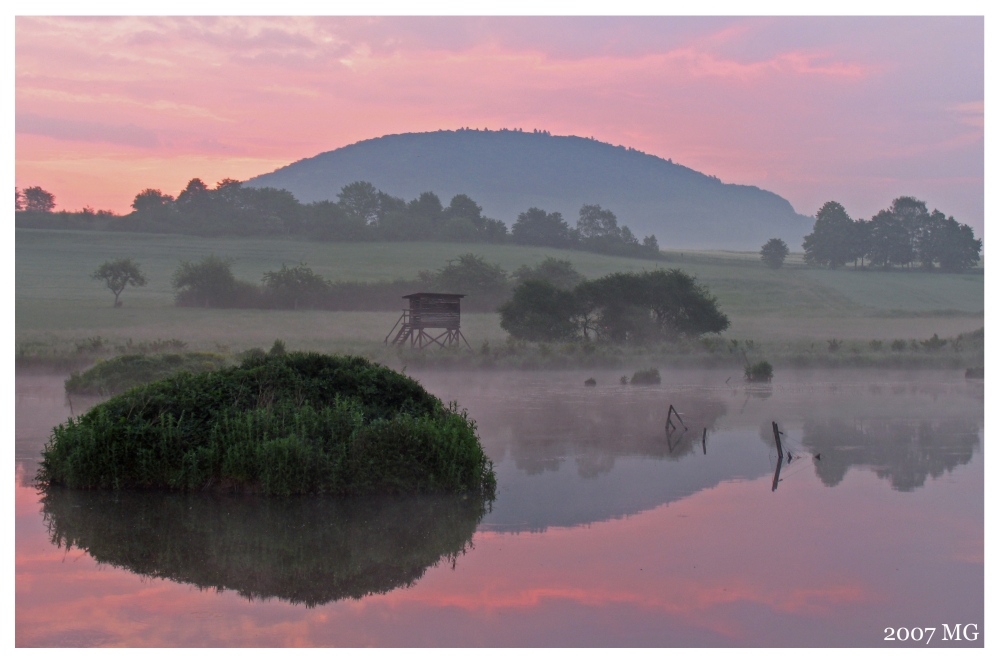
(813, 109)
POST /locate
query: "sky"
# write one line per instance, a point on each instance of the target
(854, 109)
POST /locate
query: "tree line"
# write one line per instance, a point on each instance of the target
(361, 213)
(548, 302)
(904, 235)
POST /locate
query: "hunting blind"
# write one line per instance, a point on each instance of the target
(429, 310)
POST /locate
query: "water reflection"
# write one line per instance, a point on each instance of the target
(904, 452)
(309, 550)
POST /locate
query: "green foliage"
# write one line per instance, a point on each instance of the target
(774, 252)
(209, 283)
(762, 371)
(296, 285)
(540, 228)
(648, 306)
(539, 311)
(119, 273)
(647, 376)
(472, 276)
(559, 273)
(280, 424)
(901, 235)
(117, 374)
(622, 307)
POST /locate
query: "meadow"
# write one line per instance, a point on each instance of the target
(793, 310)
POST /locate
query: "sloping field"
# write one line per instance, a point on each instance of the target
(56, 301)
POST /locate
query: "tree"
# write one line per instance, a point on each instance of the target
(208, 283)
(360, 200)
(296, 284)
(595, 222)
(959, 249)
(540, 228)
(150, 200)
(539, 311)
(559, 273)
(18, 200)
(37, 199)
(773, 253)
(117, 274)
(829, 244)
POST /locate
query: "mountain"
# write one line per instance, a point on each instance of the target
(509, 171)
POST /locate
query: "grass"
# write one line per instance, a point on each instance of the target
(277, 424)
(59, 306)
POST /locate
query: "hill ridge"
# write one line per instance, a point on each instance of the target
(507, 171)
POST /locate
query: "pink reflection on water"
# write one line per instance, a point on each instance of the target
(731, 565)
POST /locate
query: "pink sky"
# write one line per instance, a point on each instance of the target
(858, 110)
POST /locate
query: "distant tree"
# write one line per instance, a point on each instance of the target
(117, 274)
(559, 273)
(361, 200)
(485, 283)
(18, 200)
(651, 245)
(37, 199)
(194, 194)
(958, 247)
(774, 252)
(207, 283)
(596, 222)
(829, 244)
(150, 200)
(539, 311)
(540, 228)
(296, 285)
(622, 307)
(328, 221)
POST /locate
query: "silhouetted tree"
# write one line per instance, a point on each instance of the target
(361, 200)
(37, 199)
(295, 285)
(18, 200)
(151, 200)
(117, 274)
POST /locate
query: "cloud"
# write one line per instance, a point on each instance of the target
(85, 131)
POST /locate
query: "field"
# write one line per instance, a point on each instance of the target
(58, 305)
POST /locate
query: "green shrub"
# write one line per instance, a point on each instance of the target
(115, 375)
(279, 424)
(762, 371)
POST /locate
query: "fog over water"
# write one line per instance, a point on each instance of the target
(605, 530)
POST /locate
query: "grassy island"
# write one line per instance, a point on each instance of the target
(278, 424)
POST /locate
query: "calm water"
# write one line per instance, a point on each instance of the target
(605, 531)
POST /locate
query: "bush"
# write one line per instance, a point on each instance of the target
(116, 375)
(773, 253)
(279, 424)
(648, 376)
(762, 371)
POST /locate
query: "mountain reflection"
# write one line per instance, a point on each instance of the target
(308, 550)
(905, 452)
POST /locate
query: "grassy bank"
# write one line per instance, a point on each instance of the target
(277, 424)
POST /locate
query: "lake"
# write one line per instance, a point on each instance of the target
(607, 530)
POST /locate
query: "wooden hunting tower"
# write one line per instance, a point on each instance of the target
(429, 310)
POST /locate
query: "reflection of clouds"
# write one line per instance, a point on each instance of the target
(904, 452)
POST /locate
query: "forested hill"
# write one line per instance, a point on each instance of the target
(509, 171)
